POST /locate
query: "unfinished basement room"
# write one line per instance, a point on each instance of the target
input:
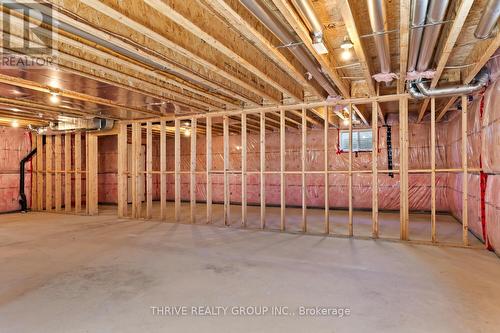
(250, 166)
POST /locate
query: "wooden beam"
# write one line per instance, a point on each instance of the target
(282, 172)
(122, 170)
(451, 32)
(49, 167)
(201, 22)
(177, 171)
(303, 169)
(465, 174)
(350, 222)
(32, 85)
(184, 43)
(233, 13)
(244, 170)
(78, 172)
(57, 171)
(192, 168)
(375, 224)
(327, 63)
(34, 172)
(326, 175)
(403, 166)
(152, 56)
(163, 170)
(40, 175)
(227, 198)
(404, 38)
(209, 168)
(149, 170)
(262, 170)
(348, 18)
(67, 172)
(433, 170)
(91, 180)
(136, 150)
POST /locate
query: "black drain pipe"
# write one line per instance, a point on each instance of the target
(22, 196)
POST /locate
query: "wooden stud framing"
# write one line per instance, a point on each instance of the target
(49, 153)
(433, 170)
(177, 170)
(326, 175)
(227, 199)
(282, 172)
(78, 172)
(351, 230)
(122, 170)
(192, 182)
(34, 176)
(57, 171)
(39, 164)
(262, 170)
(91, 180)
(149, 170)
(303, 169)
(244, 170)
(403, 166)
(67, 172)
(209, 168)
(163, 170)
(375, 224)
(465, 218)
(136, 147)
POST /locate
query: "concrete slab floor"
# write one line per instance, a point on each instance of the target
(64, 273)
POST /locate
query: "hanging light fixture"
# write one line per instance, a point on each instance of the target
(346, 46)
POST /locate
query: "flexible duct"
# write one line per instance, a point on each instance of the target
(271, 22)
(378, 22)
(418, 13)
(479, 81)
(435, 15)
(488, 20)
(313, 24)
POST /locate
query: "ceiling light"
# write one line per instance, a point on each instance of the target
(14, 123)
(346, 44)
(346, 55)
(54, 98)
(346, 122)
(187, 132)
(54, 83)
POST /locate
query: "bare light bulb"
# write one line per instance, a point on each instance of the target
(346, 55)
(14, 123)
(346, 122)
(187, 132)
(54, 98)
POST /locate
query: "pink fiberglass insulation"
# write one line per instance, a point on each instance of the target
(14, 145)
(420, 188)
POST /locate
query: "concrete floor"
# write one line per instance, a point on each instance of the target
(100, 274)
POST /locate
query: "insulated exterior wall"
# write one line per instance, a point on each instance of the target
(15, 144)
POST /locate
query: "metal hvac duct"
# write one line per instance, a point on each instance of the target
(271, 22)
(435, 15)
(479, 81)
(313, 24)
(488, 20)
(418, 13)
(378, 22)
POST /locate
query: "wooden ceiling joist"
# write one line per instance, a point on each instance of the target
(180, 40)
(201, 22)
(15, 81)
(327, 64)
(232, 11)
(404, 40)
